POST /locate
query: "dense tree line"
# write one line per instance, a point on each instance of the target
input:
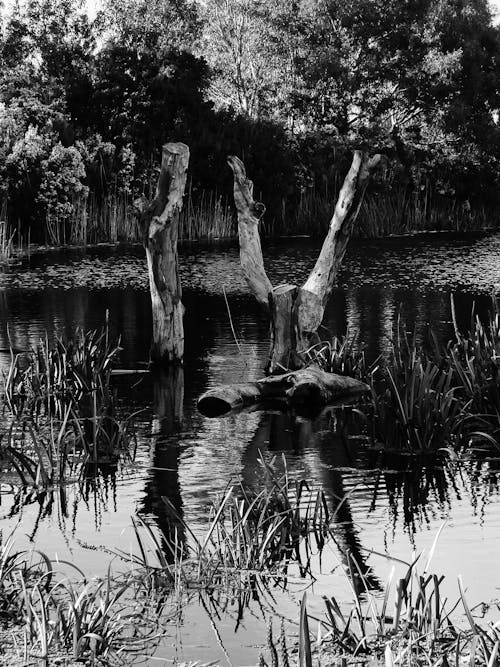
(292, 87)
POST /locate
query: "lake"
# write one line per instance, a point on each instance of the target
(391, 508)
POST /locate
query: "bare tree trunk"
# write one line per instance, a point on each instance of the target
(296, 313)
(314, 295)
(249, 216)
(159, 225)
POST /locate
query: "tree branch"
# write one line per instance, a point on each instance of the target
(169, 190)
(249, 216)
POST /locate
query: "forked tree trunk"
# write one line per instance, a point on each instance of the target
(159, 225)
(296, 313)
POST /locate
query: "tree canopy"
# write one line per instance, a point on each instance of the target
(295, 85)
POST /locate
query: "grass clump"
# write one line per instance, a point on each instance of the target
(413, 623)
(427, 398)
(251, 535)
(108, 621)
(63, 410)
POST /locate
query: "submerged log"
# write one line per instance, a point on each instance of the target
(159, 226)
(309, 386)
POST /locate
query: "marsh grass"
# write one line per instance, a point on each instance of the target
(59, 611)
(427, 397)
(250, 535)
(209, 218)
(63, 410)
(413, 623)
(385, 213)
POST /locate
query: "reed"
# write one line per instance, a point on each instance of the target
(251, 534)
(415, 407)
(64, 616)
(206, 218)
(427, 398)
(6, 241)
(475, 361)
(420, 627)
(386, 212)
(49, 377)
(63, 410)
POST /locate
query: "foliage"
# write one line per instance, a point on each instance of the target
(289, 87)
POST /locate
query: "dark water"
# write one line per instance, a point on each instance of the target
(191, 459)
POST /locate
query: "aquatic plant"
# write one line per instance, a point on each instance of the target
(475, 360)
(76, 371)
(422, 629)
(63, 410)
(62, 612)
(340, 355)
(415, 407)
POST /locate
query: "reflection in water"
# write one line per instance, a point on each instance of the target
(163, 480)
(388, 505)
(328, 437)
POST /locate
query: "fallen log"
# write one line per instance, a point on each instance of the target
(308, 386)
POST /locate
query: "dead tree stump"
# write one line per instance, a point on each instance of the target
(297, 312)
(159, 222)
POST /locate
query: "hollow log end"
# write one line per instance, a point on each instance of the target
(214, 406)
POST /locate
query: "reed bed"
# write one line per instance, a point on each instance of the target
(249, 540)
(413, 623)
(63, 410)
(57, 614)
(209, 218)
(427, 398)
(384, 213)
(250, 534)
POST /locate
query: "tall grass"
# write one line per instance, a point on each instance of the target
(427, 398)
(63, 410)
(385, 213)
(64, 616)
(208, 218)
(50, 377)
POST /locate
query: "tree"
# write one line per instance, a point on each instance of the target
(296, 313)
(251, 55)
(159, 227)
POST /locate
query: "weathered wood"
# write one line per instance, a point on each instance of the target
(159, 226)
(316, 290)
(308, 386)
(249, 216)
(283, 355)
(296, 314)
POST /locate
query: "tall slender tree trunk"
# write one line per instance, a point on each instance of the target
(159, 226)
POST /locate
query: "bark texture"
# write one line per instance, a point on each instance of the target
(296, 313)
(318, 287)
(159, 225)
(249, 216)
(309, 386)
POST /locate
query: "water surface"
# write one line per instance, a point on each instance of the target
(191, 459)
